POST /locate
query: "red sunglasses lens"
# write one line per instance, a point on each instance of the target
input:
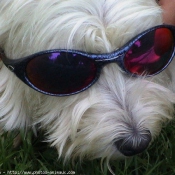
(61, 73)
(150, 53)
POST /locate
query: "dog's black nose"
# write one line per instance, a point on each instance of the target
(135, 144)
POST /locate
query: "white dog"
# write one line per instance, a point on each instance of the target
(120, 114)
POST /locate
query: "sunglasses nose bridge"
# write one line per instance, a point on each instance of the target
(118, 58)
(113, 57)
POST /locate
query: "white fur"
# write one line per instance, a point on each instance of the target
(86, 124)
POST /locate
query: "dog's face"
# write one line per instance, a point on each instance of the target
(119, 115)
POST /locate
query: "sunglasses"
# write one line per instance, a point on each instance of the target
(68, 72)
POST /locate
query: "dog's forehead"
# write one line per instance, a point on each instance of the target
(90, 25)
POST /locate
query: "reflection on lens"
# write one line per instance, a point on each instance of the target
(150, 53)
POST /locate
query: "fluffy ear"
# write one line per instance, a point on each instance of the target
(14, 112)
(12, 104)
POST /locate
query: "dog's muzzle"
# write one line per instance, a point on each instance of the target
(135, 144)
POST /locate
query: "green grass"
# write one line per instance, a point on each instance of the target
(35, 155)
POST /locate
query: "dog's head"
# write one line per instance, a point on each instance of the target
(119, 114)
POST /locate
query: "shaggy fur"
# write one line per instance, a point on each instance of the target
(115, 107)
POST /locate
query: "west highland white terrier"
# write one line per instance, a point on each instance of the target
(93, 74)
